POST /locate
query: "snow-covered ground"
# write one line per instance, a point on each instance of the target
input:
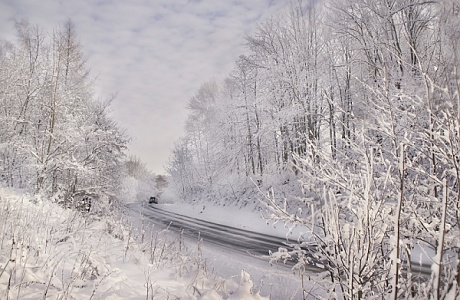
(54, 253)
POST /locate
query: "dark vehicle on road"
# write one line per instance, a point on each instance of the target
(153, 200)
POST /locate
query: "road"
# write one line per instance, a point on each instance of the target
(247, 242)
(250, 246)
(229, 250)
(254, 244)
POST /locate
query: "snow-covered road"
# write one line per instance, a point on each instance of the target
(230, 250)
(247, 242)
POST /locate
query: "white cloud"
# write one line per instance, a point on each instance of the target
(154, 54)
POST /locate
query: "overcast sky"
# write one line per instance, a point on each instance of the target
(154, 54)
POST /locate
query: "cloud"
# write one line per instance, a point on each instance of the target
(153, 54)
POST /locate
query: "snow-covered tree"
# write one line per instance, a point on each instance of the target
(392, 187)
(359, 101)
(57, 138)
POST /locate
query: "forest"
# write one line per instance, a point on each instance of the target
(56, 138)
(356, 103)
